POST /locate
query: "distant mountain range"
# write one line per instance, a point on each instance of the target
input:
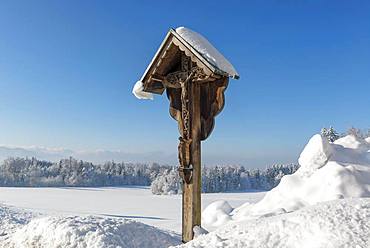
(250, 160)
(96, 156)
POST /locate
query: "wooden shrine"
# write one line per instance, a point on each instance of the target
(186, 66)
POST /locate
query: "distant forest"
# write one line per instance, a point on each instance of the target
(163, 179)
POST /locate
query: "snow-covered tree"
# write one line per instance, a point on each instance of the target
(324, 131)
(331, 134)
(167, 183)
(163, 179)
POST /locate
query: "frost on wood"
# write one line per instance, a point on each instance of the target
(207, 50)
(138, 91)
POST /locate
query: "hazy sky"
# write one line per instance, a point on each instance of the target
(67, 69)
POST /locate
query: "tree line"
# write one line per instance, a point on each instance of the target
(225, 179)
(238, 178)
(31, 172)
(163, 179)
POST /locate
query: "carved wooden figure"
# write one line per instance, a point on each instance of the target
(195, 76)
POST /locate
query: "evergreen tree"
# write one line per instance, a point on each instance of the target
(324, 132)
(331, 134)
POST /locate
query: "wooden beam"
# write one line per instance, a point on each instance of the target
(191, 215)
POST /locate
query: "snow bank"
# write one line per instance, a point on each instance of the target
(323, 204)
(138, 91)
(10, 220)
(19, 230)
(353, 142)
(328, 171)
(207, 50)
(315, 155)
(339, 223)
(216, 214)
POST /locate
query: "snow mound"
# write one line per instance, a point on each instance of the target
(207, 50)
(138, 91)
(216, 214)
(353, 142)
(328, 171)
(21, 230)
(322, 204)
(315, 154)
(10, 220)
(339, 223)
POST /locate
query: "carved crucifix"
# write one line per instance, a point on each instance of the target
(195, 88)
(186, 79)
(201, 98)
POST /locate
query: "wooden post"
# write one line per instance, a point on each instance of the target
(191, 196)
(195, 88)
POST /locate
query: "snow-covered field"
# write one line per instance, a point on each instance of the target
(136, 203)
(325, 203)
(71, 216)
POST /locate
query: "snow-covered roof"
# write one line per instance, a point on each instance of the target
(207, 50)
(195, 46)
(138, 91)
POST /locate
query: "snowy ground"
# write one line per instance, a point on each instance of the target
(96, 217)
(325, 203)
(136, 203)
(22, 229)
(334, 224)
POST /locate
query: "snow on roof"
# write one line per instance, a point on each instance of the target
(207, 50)
(204, 50)
(138, 91)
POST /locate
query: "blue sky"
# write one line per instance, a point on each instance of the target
(67, 69)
